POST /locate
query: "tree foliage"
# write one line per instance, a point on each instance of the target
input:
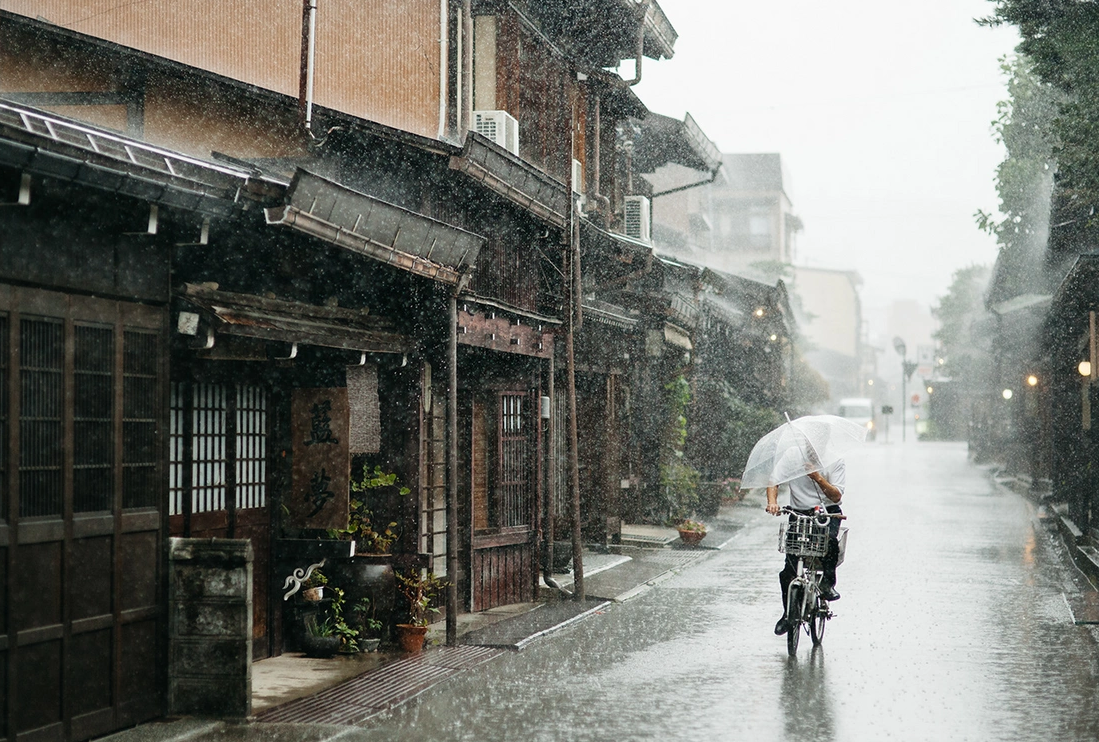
(962, 305)
(1024, 180)
(1058, 37)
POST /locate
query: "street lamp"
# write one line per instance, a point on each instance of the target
(907, 367)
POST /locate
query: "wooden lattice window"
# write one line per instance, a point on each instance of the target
(4, 376)
(503, 463)
(251, 447)
(41, 400)
(93, 418)
(216, 430)
(139, 419)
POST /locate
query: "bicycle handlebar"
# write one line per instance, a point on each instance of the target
(787, 510)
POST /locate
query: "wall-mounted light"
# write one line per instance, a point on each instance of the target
(1084, 368)
(758, 312)
(930, 390)
(1007, 394)
(1032, 380)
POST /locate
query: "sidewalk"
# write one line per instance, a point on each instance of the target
(296, 698)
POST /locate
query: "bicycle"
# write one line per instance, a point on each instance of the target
(806, 537)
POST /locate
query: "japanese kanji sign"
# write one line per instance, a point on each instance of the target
(319, 429)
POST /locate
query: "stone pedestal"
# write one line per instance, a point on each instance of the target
(210, 628)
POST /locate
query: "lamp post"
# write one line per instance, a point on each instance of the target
(907, 367)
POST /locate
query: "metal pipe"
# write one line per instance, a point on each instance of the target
(597, 196)
(551, 473)
(640, 49)
(452, 472)
(467, 67)
(308, 62)
(444, 54)
(574, 460)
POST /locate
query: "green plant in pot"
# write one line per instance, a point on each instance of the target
(312, 588)
(691, 531)
(420, 591)
(367, 531)
(320, 638)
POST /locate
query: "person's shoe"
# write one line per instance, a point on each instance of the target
(828, 592)
(782, 626)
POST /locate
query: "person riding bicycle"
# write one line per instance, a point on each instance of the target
(818, 488)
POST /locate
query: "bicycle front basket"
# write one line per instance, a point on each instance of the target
(803, 537)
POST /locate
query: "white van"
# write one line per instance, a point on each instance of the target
(861, 411)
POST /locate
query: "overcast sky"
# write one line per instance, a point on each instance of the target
(881, 110)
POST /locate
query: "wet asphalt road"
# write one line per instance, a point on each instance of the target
(952, 626)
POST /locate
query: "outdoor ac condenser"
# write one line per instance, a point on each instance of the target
(637, 218)
(499, 126)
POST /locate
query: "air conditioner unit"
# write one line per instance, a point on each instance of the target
(577, 177)
(637, 218)
(499, 126)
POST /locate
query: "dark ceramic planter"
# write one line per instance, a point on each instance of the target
(367, 576)
(320, 646)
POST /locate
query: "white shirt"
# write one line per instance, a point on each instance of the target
(805, 494)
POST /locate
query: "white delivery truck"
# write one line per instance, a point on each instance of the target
(861, 411)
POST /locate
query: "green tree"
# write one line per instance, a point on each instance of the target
(1058, 37)
(962, 305)
(1024, 180)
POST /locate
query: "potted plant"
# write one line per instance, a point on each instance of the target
(312, 588)
(368, 574)
(419, 589)
(691, 531)
(320, 638)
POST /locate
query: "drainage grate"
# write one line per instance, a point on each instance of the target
(356, 700)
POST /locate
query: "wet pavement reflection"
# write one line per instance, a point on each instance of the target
(952, 626)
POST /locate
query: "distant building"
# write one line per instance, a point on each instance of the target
(744, 217)
(830, 320)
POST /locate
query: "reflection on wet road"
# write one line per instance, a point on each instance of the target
(952, 626)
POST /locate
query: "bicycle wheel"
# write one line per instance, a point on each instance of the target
(794, 618)
(817, 621)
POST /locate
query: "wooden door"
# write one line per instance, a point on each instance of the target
(81, 541)
(218, 478)
(504, 444)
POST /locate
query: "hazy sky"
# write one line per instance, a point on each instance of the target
(881, 110)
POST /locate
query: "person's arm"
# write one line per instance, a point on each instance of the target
(772, 500)
(830, 490)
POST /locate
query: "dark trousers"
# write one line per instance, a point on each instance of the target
(827, 562)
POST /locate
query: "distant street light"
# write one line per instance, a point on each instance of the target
(1032, 380)
(907, 367)
(1007, 394)
(1084, 368)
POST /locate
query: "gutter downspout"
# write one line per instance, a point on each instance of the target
(642, 11)
(467, 68)
(308, 63)
(597, 196)
(444, 55)
(689, 186)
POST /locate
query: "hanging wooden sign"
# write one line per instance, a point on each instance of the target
(322, 462)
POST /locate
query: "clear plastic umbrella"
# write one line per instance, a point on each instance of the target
(798, 447)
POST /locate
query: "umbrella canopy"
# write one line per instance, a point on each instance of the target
(798, 447)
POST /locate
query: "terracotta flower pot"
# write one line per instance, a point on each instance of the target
(410, 637)
(692, 537)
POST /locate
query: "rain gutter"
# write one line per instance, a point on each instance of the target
(303, 221)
